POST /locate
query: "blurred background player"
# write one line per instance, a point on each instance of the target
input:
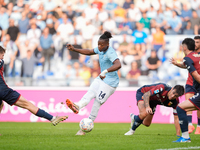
(14, 98)
(105, 84)
(190, 90)
(191, 62)
(148, 97)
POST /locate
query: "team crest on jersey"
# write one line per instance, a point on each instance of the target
(170, 103)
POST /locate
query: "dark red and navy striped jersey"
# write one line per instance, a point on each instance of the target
(159, 94)
(3, 84)
(192, 63)
(190, 78)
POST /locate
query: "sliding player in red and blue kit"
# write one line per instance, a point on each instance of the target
(14, 98)
(191, 62)
(148, 97)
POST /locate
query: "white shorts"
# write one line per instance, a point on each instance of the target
(102, 90)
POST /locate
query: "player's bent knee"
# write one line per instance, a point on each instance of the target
(142, 115)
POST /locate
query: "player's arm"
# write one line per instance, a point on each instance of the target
(116, 66)
(180, 65)
(146, 97)
(176, 124)
(196, 76)
(81, 51)
(192, 70)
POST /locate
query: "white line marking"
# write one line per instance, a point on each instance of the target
(195, 147)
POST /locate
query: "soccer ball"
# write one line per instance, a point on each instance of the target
(86, 125)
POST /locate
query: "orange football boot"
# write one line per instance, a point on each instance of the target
(72, 106)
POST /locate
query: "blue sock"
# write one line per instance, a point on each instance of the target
(182, 119)
(198, 122)
(44, 114)
(189, 117)
(137, 122)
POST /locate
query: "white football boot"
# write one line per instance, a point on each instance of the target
(80, 132)
(58, 119)
(130, 132)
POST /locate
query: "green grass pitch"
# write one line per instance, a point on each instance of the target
(105, 136)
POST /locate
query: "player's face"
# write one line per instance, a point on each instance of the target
(172, 94)
(197, 45)
(103, 45)
(184, 48)
(1, 55)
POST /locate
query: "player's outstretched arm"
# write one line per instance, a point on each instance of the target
(177, 126)
(174, 62)
(1, 106)
(81, 51)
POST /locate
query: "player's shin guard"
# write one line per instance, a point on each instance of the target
(95, 110)
(182, 119)
(43, 114)
(137, 122)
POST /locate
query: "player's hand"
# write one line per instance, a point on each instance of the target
(173, 61)
(149, 110)
(103, 74)
(70, 47)
(102, 77)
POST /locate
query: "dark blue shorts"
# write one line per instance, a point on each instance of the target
(9, 96)
(139, 97)
(196, 100)
(190, 89)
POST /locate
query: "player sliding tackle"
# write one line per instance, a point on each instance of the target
(148, 97)
(104, 85)
(191, 62)
(14, 98)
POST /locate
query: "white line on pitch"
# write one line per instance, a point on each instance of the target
(178, 148)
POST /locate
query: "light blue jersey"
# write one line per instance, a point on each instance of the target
(106, 60)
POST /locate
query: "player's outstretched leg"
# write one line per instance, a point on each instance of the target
(72, 106)
(58, 119)
(23, 103)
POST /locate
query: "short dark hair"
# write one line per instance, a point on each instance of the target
(197, 37)
(190, 43)
(179, 89)
(2, 50)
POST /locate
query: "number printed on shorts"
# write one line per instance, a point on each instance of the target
(102, 95)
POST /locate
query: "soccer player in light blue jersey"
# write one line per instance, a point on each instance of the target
(105, 84)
